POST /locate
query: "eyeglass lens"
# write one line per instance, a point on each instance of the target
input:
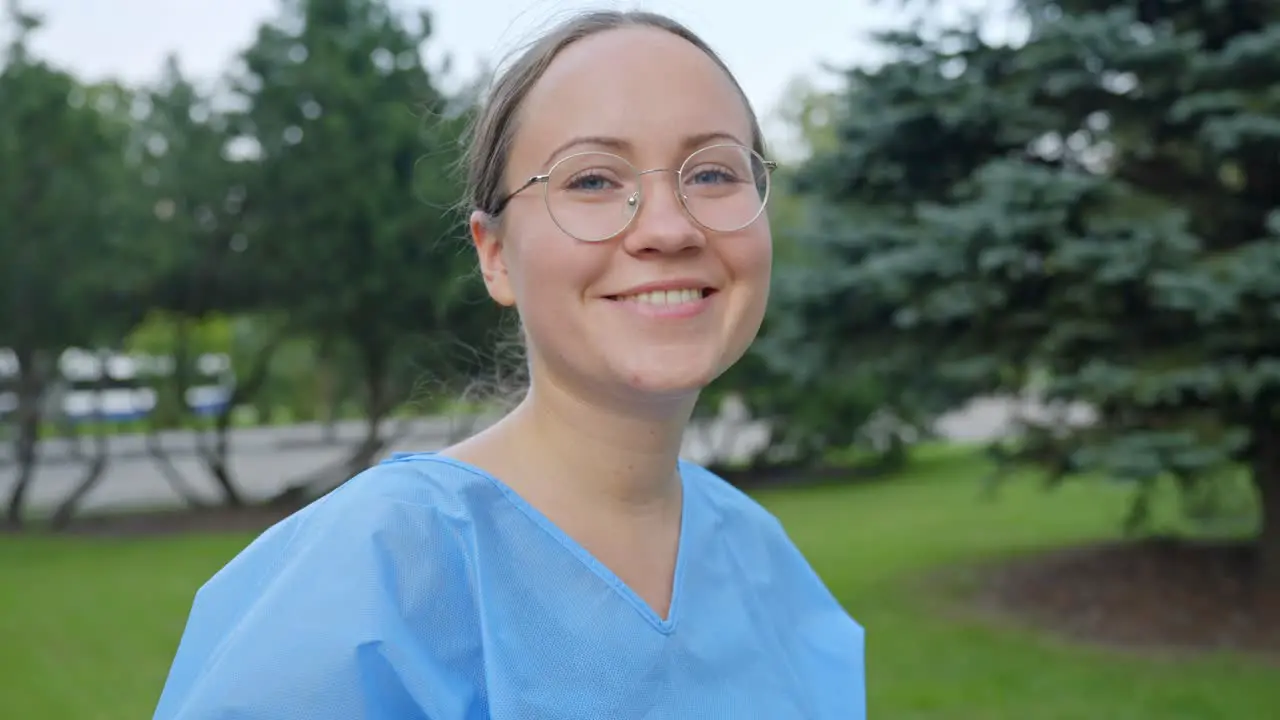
(593, 196)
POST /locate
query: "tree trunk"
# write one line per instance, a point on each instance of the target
(96, 466)
(327, 401)
(26, 472)
(218, 458)
(30, 391)
(378, 404)
(1266, 478)
(170, 412)
(168, 470)
(215, 458)
(174, 413)
(215, 461)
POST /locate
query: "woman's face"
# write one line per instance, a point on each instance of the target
(653, 99)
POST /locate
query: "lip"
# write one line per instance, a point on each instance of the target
(677, 284)
(683, 310)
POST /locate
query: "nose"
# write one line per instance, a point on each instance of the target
(661, 224)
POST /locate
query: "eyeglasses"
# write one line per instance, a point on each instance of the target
(594, 196)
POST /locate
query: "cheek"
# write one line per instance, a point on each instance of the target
(751, 263)
(750, 260)
(550, 275)
(544, 265)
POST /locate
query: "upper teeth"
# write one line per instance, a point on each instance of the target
(666, 297)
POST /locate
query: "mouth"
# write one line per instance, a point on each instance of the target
(665, 298)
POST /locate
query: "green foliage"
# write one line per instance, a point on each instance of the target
(809, 419)
(821, 394)
(809, 113)
(317, 214)
(195, 204)
(1096, 205)
(67, 271)
(357, 150)
(64, 271)
(155, 335)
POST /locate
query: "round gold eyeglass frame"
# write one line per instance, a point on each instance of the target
(636, 197)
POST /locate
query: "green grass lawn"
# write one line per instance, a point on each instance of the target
(87, 627)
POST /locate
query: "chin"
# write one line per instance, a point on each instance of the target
(666, 377)
(661, 384)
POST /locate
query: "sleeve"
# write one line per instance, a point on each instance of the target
(313, 622)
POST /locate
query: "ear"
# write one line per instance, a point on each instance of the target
(493, 266)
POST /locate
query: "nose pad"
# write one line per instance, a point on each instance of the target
(632, 205)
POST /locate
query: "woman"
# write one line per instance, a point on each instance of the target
(563, 563)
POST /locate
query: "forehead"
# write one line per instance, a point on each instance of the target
(647, 87)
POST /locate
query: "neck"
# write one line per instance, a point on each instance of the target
(600, 452)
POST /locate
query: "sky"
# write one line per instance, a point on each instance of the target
(766, 48)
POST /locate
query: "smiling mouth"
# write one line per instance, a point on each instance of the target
(666, 297)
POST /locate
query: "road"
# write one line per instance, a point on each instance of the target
(265, 460)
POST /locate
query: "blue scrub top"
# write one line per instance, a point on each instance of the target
(426, 589)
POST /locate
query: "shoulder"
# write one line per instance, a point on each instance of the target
(373, 565)
(741, 519)
(756, 533)
(735, 508)
(360, 543)
(380, 512)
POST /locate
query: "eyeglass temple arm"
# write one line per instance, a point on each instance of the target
(502, 204)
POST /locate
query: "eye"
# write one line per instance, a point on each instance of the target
(712, 175)
(591, 181)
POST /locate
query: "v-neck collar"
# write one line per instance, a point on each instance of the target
(688, 506)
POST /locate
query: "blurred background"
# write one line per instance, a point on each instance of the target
(1017, 397)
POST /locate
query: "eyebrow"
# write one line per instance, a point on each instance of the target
(619, 145)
